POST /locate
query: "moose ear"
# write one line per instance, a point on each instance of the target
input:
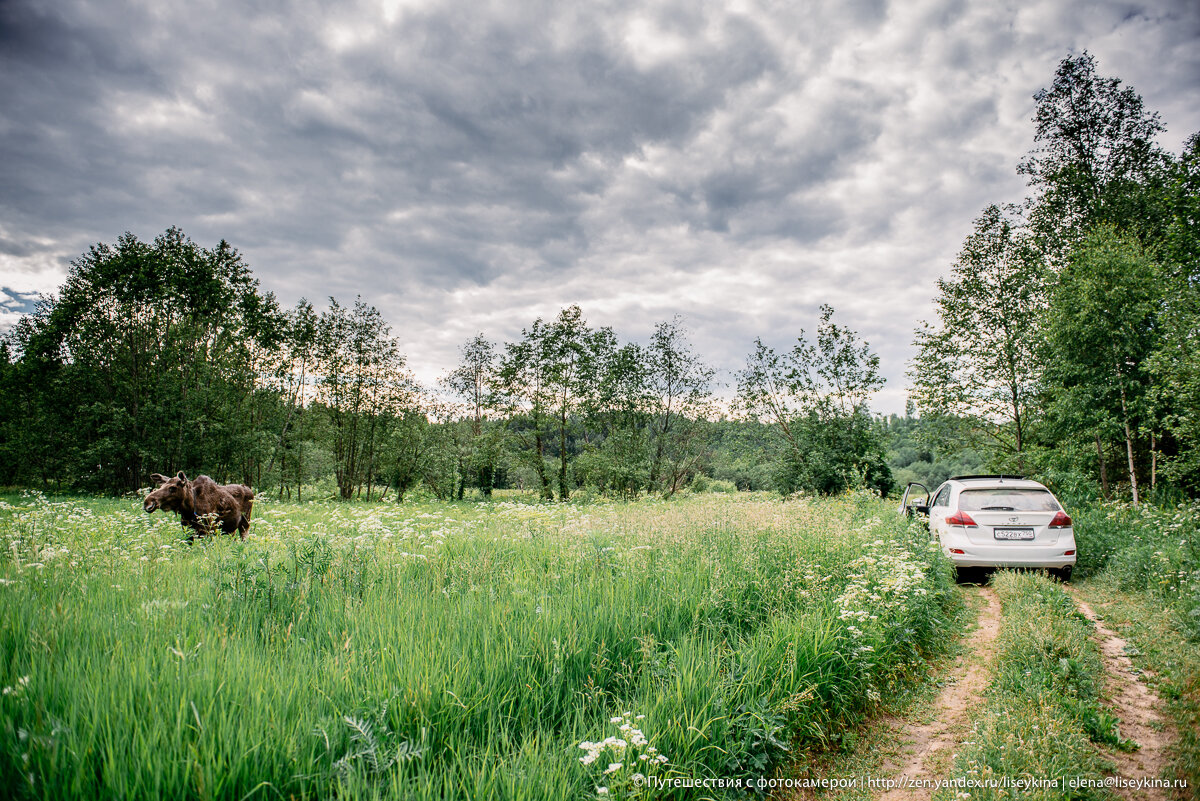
(159, 478)
(181, 476)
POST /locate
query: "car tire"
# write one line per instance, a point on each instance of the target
(1062, 574)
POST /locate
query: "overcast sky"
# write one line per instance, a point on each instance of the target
(471, 166)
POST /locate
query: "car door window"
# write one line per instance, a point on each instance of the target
(942, 498)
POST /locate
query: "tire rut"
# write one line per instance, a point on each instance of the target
(1137, 707)
(927, 747)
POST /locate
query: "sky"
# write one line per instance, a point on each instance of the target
(470, 166)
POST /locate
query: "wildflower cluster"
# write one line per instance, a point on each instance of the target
(632, 758)
(1154, 549)
(889, 594)
(882, 584)
(17, 688)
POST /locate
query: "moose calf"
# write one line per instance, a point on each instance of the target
(193, 501)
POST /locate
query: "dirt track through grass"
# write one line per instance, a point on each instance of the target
(928, 748)
(1138, 709)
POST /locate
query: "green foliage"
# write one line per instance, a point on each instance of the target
(1066, 335)
(621, 418)
(743, 453)
(1101, 329)
(146, 360)
(980, 364)
(814, 398)
(680, 404)
(164, 356)
(363, 383)
(1157, 551)
(1175, 366)
(702, 483)
(919, 451)
(523, 392)
(1096, 161)
(831, 454)
(472, 382)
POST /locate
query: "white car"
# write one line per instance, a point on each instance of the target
(998, 521)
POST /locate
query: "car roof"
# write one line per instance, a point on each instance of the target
(988, 475)
(996, 482)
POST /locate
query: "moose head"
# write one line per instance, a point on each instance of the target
(173, 495)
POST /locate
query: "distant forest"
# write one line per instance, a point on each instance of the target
(1065, 346)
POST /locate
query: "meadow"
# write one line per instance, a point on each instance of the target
(456, 650)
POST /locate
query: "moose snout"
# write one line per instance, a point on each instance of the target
(150, 506)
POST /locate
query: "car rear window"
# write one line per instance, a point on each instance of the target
(1004, 500)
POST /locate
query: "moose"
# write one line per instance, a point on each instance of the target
(201, 501)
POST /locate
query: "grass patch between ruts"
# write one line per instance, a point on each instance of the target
(1043, 707)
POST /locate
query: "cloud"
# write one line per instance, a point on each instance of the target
(469, 166)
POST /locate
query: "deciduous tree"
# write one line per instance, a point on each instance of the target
(980, 364)
(815, 397)
(1101, 329)
(1096, 159)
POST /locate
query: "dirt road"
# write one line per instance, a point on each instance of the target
(928, 747)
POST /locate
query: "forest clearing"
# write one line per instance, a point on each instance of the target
(450, 537)
(708, 646)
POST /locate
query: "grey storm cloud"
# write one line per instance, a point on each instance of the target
(469, 166)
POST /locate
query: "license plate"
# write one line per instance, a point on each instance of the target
(1014, 533)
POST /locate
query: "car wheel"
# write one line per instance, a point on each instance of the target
(1062, 573)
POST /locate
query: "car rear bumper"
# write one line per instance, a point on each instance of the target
(1051, 556)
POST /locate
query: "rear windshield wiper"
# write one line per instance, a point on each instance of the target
(999, 508)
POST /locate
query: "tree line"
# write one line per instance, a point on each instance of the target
(1067, 339)
(166, 355)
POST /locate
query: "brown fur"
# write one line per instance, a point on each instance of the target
(229, 504)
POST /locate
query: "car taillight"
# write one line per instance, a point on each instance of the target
(1061, 520)
(960, 519)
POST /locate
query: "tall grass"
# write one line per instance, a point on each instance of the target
(1151, 549)
(447, 651)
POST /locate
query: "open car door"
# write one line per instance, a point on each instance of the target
(912, 504)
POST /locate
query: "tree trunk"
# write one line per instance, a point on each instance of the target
(1129, 447)
(1103, 468)
(563, 492)
(1153, 460)
(547, 493)
(1016, 404)
(656, 463)
(295, 401)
